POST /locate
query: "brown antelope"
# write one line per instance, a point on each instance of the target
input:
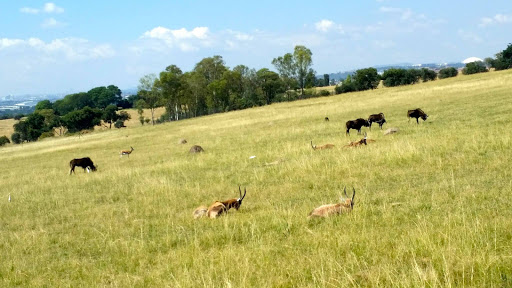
(326, 146)
(220, 207)
(126, 152)
(346, 205)
(363, 141)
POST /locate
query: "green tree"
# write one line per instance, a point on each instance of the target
(366, 79)
(303, 60)
(345, 86)
(448, 72)
(44, 104)
(149, 95)
(503, 59)
(83, 119)
(170, 85)
(326, 80)
(16, 138)
(310, 80)
(110, 115)
(474, 67)
(72, 102)
(31, 128)
(428, 75)
(195, 93)
(270, 84)
(101, 97)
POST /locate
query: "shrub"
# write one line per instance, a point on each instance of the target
(324, 93)
(46, 135)
(4, 140)
(448, 72)
(474, 67)
(119, 124)
(16, 138)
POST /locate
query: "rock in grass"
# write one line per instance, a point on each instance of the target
(392, 130)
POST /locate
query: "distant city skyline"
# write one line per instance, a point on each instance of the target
(55, 47)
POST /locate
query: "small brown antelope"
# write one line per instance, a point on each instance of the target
(326, 146)
(346, 205)
(126, 152)
(220, 207)
(358, 143)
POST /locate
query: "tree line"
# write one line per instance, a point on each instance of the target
(211, 87)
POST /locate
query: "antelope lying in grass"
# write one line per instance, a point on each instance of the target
(326, 146)
(346, 205)
(220, 207)
(126, 152)
(363, 141)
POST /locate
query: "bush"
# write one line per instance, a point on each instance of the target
(324, 93)
(119, 124)
(18, 116)
(474, 67)
(448, 72)
(16, 138)
(46, 135)
(4, 140)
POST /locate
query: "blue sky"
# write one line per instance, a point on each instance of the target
(71, 46)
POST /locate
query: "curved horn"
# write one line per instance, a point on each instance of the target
(312, 144)
(240, 191)
(353, 195)
(345, 191)
(245, 192)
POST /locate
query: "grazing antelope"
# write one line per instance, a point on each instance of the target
(346, 205)
(417, 113)
(220, 207)
(356, 125)
(326, 146)
(358, 143)
(85, 163)
(377, 118)
(126, 152)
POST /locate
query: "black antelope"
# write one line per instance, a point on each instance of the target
(356, 125)
(346, 205)
(377, 118)
(126, 152)
(417, 113)
(85, 163)
(220, 207)
(326, 146)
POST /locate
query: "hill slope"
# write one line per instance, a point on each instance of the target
(432, 204)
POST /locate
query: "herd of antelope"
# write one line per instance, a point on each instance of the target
(218, 208)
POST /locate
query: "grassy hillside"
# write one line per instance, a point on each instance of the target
(433, 205)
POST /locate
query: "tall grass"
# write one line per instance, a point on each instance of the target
(432, 204)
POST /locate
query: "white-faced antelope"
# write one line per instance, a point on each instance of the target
(126, 152)
(220, 207)
(346, 205)
(326, 146)
(363, 141)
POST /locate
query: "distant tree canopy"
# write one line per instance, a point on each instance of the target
(474, 67)
(83, 119)
(448, 72)
(503, 59)
(296, 65)
(366, 79)
(396, 77)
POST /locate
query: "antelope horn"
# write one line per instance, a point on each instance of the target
(245, 192)
(354, 194)
(345, 191)
(240, 191)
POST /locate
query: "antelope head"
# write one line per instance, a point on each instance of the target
(349, 201)
(235, 203)
(346, 205)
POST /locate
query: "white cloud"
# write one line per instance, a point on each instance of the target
(52, 23)
(469, 36)
(29, 10)
(52, 8)
(47, 8)
(73, 49)
(182, 38)
(324, 25)
(497, 19)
